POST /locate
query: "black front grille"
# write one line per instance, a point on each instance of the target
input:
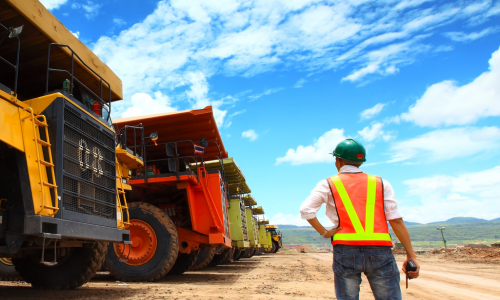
(89, 167)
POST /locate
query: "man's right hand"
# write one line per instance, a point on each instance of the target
(332, 232)
(415, 274)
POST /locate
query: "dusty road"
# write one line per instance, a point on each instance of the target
(279, 276)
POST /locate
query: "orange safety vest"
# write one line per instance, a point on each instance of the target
(359, 200)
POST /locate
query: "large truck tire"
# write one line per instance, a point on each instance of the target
(272, 249)
(204, 258)
(73, 269)
(237, 254)
(154, 249)
(229, 257)
(249, 253)
(7, 270)
(184, 262)
(276, 247)
(242, 254)
(221, 258)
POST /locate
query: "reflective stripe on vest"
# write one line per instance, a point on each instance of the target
(366, 235)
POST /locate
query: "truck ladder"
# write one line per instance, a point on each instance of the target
(121, 207)
(121, 191)
(37, 122)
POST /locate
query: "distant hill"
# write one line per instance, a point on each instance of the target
(455, 232)
(461, 220)
(412, 223)
(291, 226)
(454, 220)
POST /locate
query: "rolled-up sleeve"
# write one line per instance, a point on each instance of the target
(390, 203)
(313, 202)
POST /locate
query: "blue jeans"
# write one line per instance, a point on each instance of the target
(378, 264)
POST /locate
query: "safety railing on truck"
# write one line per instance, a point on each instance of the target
(12, 33)
(171, 156)
(102, 104)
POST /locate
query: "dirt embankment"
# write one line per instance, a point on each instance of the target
(282, 276)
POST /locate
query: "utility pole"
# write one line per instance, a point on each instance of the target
(442, 234)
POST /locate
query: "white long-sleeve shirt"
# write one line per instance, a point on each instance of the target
(323, 194)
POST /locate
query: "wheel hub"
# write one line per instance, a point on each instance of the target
(6, 261)
(143, 246)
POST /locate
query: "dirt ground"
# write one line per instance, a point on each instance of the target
(281, 276)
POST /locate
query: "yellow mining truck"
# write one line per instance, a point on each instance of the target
(237, 188)
(261, 225)
(61, 180)
(276, 238)
(252, 227)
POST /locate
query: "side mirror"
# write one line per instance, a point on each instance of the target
(204, 142)
(154, 136)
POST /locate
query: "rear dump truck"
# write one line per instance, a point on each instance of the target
(178, 213)
(252, 227)
(276, 239)
(261, 227)
(61, 186)
(237, 190)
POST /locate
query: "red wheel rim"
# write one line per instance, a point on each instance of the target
(143, 246)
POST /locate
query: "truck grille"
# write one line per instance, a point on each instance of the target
(89, 166)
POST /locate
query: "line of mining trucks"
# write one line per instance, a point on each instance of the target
(140, 197)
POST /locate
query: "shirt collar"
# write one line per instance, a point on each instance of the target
(349, 169)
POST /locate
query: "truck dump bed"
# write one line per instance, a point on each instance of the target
(41, 29)
(187, 125)
(232, 173)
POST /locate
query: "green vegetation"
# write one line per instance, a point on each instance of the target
(425, 236)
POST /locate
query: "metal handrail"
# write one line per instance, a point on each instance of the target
(73, 54)
(123, 138)
(16, 66)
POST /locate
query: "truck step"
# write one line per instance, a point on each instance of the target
(43, 143)
(46, 163)
(49, 185)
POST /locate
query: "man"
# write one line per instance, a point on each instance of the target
(359, 205)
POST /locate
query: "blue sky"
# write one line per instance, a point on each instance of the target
(416, 81)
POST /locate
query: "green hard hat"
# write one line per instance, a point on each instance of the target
(350, 150)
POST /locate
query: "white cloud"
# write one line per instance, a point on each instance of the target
(474, 194)
(315, 153)
(300, 83)
(246, 38)
(289, 219)
(198, 93)
(444, 144)
(265, 93)
(383, 61)
(374, 132)
(76, 34)
(144, 104)
(119, 22)
(250, 134)
(53, 4)
(372, 112)
(447, 103)
(90, 8)
(238, 113)
(468, 37)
